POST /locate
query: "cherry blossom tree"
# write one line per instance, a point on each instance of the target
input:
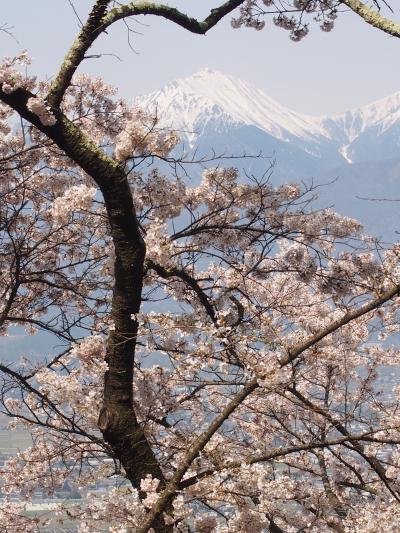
(222, 342)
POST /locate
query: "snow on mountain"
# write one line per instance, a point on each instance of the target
(358, 152)
(381, 114)
(192, 104)
(371, 132)
(189, 103)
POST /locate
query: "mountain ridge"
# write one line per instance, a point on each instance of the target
(187, 104)
(357, 151)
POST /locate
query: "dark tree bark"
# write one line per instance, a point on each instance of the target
(117, 421)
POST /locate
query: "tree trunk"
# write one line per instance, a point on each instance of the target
(117, 420)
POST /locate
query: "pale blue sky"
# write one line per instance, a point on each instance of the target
(324, 74)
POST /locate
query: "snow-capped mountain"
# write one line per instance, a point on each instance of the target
(220, 113)
(191, 102)
(369, 132)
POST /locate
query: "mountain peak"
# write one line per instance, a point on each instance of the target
(189, 104)
(208, 72)
(188, 101)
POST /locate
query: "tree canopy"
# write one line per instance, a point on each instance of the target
(220, 347)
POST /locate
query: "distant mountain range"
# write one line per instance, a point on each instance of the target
(359, 148)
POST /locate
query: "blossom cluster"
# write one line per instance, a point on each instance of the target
(252, 13)
(38, 107)
(141, 137)
(78, 197)
(240, 279)
(11, 78)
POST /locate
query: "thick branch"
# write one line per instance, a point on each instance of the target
(172, 14)
(99, 20)
(374, 18)
(75, 144)
(90, 31)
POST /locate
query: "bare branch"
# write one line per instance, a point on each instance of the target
(90, 31)
(99, 21)
(172, 14)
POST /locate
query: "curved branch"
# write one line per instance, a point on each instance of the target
(86, 37)
(374, 18)
(117, 421)
(173, 272)
(174, 15)
(99, 20)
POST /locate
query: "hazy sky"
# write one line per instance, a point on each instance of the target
(324, 74)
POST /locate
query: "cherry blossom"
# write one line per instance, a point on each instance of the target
(217, 351)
